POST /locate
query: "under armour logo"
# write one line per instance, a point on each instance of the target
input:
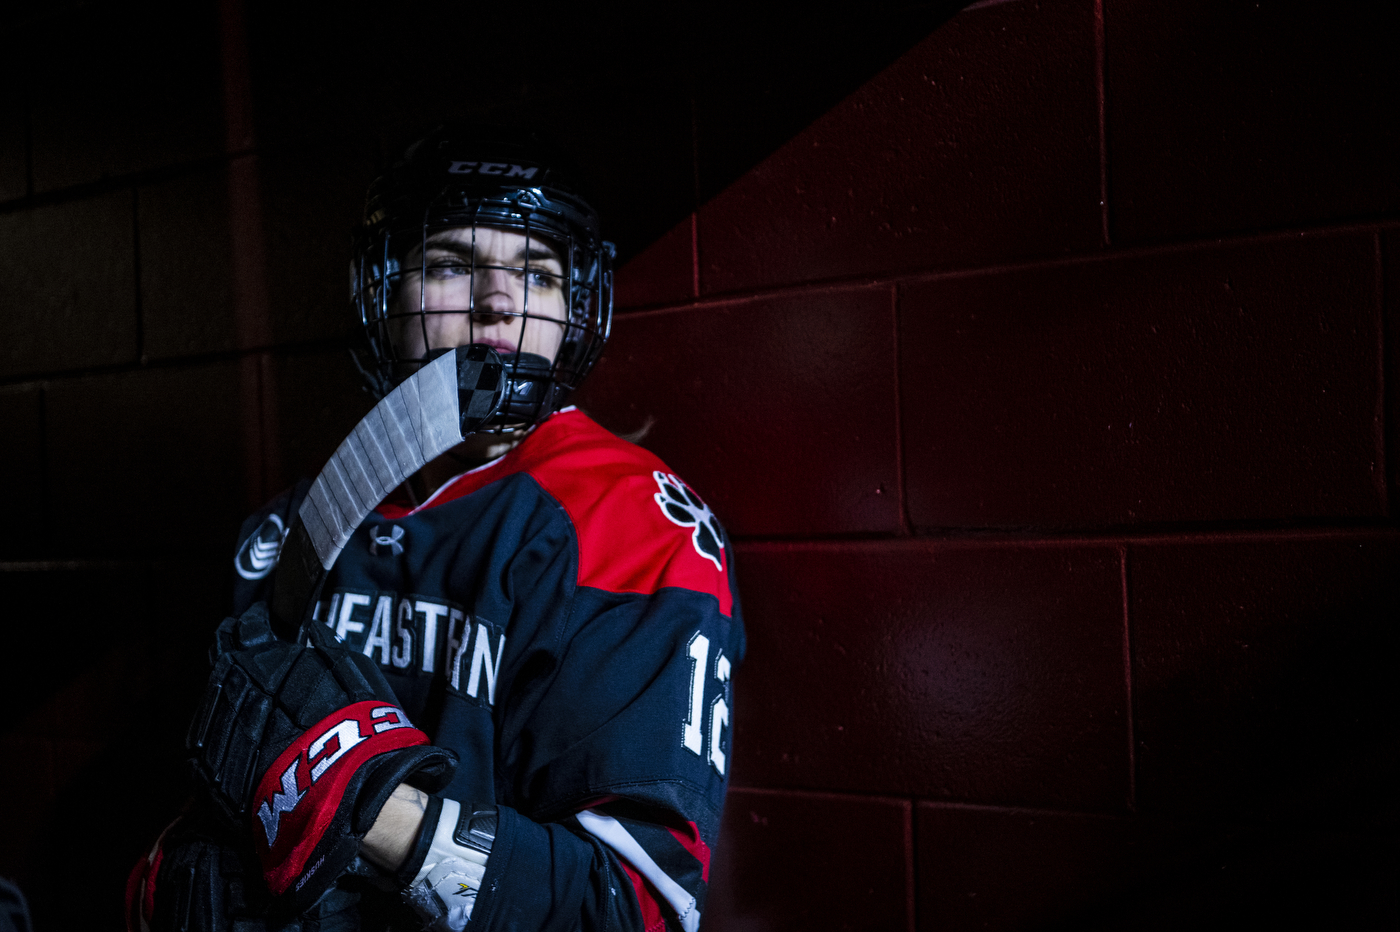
(390, 540)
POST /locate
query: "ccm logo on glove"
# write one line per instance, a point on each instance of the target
(300, 793)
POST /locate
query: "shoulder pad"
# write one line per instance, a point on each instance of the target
(640, 527)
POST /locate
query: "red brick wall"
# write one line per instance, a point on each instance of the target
(1045, 383)
(1042, 385)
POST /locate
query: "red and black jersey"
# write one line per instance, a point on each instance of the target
(565, 619)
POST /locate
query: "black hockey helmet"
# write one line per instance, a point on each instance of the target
(459, 178)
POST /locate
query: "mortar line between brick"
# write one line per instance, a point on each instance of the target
(237, 80)
(694, 191)
(51, 566)
(264, 393)
(28, 148)
(915, 276)
(273, 477)
(981, 537)
(1099, 90)
(1382, 414)
(1128, 678)
(46, 501)
(906, 526)
(281, 350)
(894, 797)
(136, 274)
(695, 254)
(87, 190)
(843, 795)
(911, 872)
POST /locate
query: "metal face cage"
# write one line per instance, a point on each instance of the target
(423, 264)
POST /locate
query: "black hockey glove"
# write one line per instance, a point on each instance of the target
(198, 877)
(300, 745)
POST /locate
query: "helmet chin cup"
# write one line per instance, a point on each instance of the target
(530, 393)
(500, 390)
(481, 385)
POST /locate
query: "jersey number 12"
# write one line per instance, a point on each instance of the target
(698, 652)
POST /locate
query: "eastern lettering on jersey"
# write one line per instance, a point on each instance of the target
(389, 544)
(258, 554)
(682, 506)
(476, 668)
(401, 631)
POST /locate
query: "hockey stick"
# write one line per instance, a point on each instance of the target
(430, 412)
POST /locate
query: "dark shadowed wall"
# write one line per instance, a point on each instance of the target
(1041, 365)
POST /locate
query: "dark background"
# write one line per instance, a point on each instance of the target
(1041, 362)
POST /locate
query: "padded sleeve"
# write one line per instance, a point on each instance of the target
(627, 737)
(553, 878)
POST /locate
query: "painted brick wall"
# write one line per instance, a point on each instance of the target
(1043, 383)
(170, 352)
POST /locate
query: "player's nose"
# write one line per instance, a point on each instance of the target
(495, 298)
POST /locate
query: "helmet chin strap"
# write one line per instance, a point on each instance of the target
(430, 412)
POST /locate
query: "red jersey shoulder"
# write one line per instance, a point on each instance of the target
(640, 527)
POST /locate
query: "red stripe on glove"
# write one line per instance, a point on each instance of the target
(296, 808)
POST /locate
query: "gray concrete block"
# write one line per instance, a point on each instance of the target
(67, 286)
(22, 471)
(187, 276)
(148, 463)
(120, 89)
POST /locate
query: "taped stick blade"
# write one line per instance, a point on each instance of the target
(430, 412)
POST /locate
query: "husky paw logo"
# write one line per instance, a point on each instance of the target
(682, 506)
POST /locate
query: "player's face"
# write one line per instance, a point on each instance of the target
(481, 285)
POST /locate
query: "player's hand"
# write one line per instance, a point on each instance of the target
(300, 745)
(391, 838)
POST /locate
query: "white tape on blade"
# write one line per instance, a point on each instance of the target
(413, 425)
(317, 515)
(612, 833)
(338, 484)
(398, 432)
(354, 462)
(438, 418)
(370, 433)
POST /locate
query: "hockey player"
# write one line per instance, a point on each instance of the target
(525, 722)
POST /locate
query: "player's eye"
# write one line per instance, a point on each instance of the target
(542, 279)
(446, 265)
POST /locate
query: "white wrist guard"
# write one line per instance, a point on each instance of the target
(443, 891)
